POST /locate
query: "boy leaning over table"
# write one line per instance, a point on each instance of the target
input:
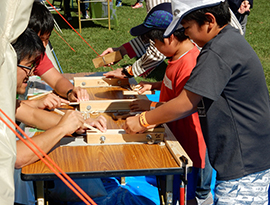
(182, 53)
(229, 79)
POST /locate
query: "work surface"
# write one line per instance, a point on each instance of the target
(128, 159)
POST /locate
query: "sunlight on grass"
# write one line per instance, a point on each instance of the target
(100, 38)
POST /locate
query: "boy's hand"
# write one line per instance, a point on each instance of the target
(145, 86)
(133, 125)
(140, 105)
(50, 101)
(115, 74)
(110, 50)
(100, 122)
(78, 94)
(149, 86)
(71, 122)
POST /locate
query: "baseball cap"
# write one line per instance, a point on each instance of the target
(181, 8)
(159, 17)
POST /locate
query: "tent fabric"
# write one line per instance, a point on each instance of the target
(14, 16)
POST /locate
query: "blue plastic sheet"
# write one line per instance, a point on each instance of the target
(136, 191)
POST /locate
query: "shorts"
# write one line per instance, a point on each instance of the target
(250, 189)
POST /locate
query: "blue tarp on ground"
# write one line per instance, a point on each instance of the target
(135, 191)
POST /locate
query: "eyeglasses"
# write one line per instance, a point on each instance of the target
(28, 68)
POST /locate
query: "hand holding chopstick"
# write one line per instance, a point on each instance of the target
(85, 124)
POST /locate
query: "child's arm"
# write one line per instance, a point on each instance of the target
(180, 107)
(144, 105)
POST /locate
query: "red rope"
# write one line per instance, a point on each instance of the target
(63, 39)
(74, 29)
(50, 160)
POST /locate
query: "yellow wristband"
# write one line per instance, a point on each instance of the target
(143, 121)
(153, 105)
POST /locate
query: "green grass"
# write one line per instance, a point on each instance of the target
(100, 38)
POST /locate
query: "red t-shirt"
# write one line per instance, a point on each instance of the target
(187, 130)
(44, 65)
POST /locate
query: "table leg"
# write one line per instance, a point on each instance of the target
(165, 189)
(40, 192)
(169, 189)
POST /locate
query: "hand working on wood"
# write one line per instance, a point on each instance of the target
(115, 74)
(49, 101)
(111, 50)
(100, 122)
(77, 94)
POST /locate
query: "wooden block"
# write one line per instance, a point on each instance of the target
(106, 59)
(175, 148)
(99, 81)
(131, 92)
(105, 105)
(116, 136)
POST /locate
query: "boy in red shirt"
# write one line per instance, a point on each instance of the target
(182, 53)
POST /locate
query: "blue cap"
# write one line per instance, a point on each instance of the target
(159, 17)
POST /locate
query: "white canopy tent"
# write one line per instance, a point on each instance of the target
(14, 17)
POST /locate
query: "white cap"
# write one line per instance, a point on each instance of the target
(181, 8)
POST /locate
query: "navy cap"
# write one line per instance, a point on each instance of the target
(159, 17)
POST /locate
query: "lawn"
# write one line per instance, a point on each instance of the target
(99, 37)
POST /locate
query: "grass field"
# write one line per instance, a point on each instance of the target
(100, 38)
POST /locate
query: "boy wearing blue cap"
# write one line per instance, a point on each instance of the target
(229, 79)
(182, 53)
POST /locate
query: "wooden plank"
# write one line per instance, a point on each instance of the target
(131, 92)
(118, 136)
(99, 81)
(175, 148)
(107, 59)
(106, 105)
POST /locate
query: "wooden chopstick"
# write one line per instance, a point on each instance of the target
(40, 95)
(85, 124)
(71, 103)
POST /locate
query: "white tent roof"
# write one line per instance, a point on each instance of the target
(14, 17)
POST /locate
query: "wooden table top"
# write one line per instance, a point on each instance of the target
(107, 160)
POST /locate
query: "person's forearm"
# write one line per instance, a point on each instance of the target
(156, 85)
(180, 107)
(46, 141)
(62, 87)
(34, 117)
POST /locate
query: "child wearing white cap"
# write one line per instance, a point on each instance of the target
(229, 79)
(182, 53)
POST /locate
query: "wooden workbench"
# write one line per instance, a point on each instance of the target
(106, 160)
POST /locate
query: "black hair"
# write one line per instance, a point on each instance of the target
(221, 13)
(41, 19)
(157, 34)
(28, 45)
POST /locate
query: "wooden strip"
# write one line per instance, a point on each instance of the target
(99, 81)
(131, 92)
(106, 105)
(115, 136)
(107, 59)
(175, 148)
(40, 95)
